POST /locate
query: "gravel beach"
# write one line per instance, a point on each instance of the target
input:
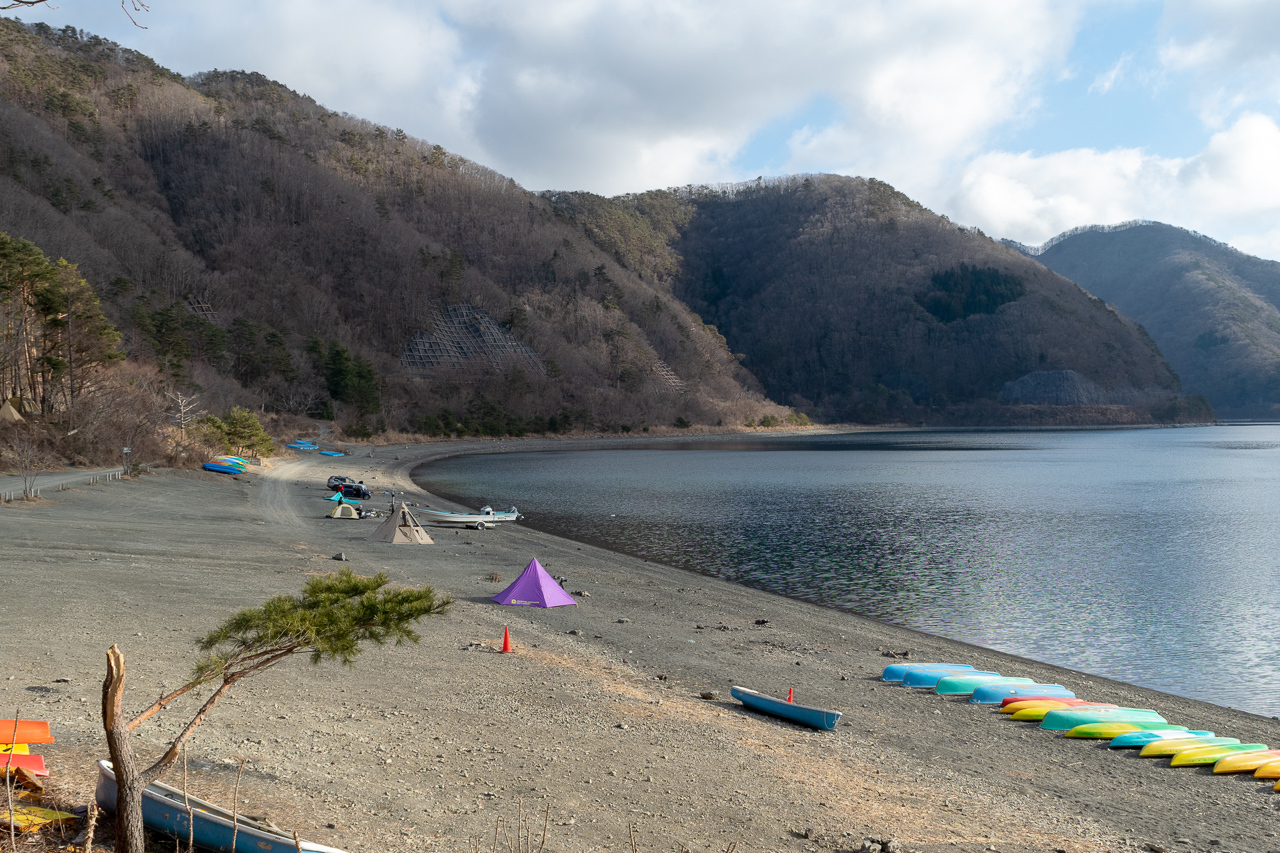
(599, 724)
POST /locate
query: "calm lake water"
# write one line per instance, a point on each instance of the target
(1149, 556)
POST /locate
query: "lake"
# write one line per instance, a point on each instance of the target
(1148, 556)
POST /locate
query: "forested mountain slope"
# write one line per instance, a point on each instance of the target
(238, 230)
(852, 302)
(1214, 311)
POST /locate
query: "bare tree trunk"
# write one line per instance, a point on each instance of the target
(129, 783)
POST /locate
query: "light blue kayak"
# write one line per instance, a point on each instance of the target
(1137, 740)
(898, 671)
(964, 685)
(931, 677)
(992, 694)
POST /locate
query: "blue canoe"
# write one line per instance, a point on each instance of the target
(805, 715)
(931, 677)
(164, 809)
(220, 468)
(992, 694)
(331, 453)
(297, 446)
(898, 671)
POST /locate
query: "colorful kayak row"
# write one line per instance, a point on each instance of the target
(1058, 709)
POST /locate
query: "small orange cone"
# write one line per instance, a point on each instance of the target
(789, 693)
(506, 640)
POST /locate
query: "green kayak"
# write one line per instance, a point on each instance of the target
(1162, 748)
(964, 685)
(1211, 754)
(1108, 729)
(1065, 719)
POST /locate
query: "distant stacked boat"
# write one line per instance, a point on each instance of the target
(227, 465)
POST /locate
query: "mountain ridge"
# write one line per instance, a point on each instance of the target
(852, 269)
(1213, 310)
(276, 253)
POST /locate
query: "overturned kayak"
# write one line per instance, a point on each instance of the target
(1065, 719)
(1270, 770)
(1172, 746)
(805, 715)
(991, 694)
(1139, 739)
(931, 676)
(964, 685)
(1107, 731)
(1246, 762)
(1211, 754)
(1036, 713)
(25, 731)
(898, 671)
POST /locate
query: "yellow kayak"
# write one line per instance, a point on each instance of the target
(1015, 707)
(1246, 762)
(1270, 770)
(1211, 754)
(1162, 748)
(1110, 730)
(1036, 714)
(14, 749)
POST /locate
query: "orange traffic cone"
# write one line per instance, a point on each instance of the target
(789, 693)
(506, 640)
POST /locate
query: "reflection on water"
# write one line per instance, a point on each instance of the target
(1149, 556)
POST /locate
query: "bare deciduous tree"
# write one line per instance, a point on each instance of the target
(184, 410)
(138, 6)
(23, 450)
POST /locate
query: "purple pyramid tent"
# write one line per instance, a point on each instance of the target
(534, 588)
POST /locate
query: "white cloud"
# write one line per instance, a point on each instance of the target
(616, 96)
(621, 95)
(1229, 190)
(1228, 50)
(1104, 81)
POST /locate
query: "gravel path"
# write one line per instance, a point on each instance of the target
(599, 715)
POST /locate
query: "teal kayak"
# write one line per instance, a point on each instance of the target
(897, 671)
(931, 677)
(964, 685)
(1137, 740)
(1065, 719)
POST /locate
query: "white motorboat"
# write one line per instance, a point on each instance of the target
(486, 517)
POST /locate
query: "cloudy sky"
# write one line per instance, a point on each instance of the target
(1023, 118)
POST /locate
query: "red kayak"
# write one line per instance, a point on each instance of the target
(1009, 700)
(34, 763)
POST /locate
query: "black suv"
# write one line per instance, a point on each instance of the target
(356, 491)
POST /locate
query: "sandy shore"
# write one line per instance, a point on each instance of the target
(597, 715)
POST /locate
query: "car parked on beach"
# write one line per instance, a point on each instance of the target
(337, 480)
(356, 491)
